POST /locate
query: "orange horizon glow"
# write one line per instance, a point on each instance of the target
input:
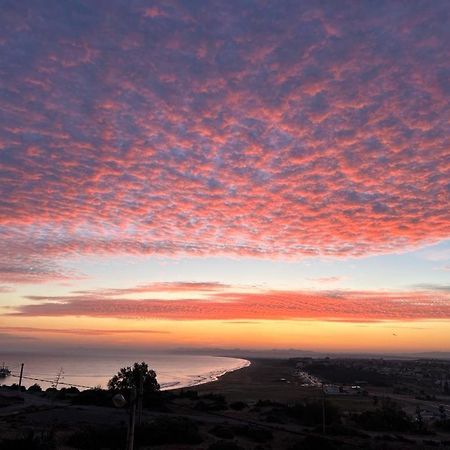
(222, 316)
(380, 337)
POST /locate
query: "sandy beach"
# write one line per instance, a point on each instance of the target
(270, 379)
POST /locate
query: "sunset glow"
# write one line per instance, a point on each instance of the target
(260, 175)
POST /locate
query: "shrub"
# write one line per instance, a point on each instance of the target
(219, 398)
(238, 406)
(341, 430)
(443, 424)
(390, 417)
(315, 443)
(211, 402)
(68, 392)
(222, 432)
(193, 395)
(225, 445)
(169, 431)
(98, 397)
(255, 434)
(90, 438)
(311, 413)
(71, 390)
(273, 417)
(35, 388)
(266, 403)
(15, 387)
(43, 441)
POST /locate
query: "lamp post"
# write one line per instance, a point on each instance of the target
(119, 402)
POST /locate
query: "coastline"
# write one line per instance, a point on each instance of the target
(174, 371)
(212, 377)
(265, 378)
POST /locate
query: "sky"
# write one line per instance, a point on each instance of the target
(239, 174)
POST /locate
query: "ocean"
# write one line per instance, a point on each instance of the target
(173, 370)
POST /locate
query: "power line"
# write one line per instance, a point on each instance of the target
(52, 381)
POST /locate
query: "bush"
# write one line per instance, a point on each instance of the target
(211, 402)
(390, 417)
(273, 418)
(193, 395)
(222, 432)
(71, 390)
(315, 443)
(311, 413)
(443, 424)
(225, 445)
(255, 434)
(218, 398)
(68, 392)
(342, 430)
(98, 397)
(15, 387)
(267, 403)
(431, 443)
(43, 441)
(90, 438)
(238, 406)
(169, 431)
(35, 388)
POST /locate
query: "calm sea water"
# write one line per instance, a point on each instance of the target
(90, 370)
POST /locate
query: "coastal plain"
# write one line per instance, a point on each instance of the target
(263, 406)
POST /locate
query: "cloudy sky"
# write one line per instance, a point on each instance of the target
(240, 173)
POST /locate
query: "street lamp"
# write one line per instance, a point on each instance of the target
(119, 401)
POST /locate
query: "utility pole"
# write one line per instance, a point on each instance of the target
(140, 398)
(323, 409)
(132, 420)
(58, 378)
(20, 377)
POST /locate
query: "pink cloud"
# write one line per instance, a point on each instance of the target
(6, 289)
(170, 287)
(351, 306)
(328, 280)
(269, 130)
(77, 331)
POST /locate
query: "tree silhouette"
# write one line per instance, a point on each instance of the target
(128, 378)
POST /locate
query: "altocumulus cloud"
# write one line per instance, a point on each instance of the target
(237, 304)
(276, 129)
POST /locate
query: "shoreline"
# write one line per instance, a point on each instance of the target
(213, 377)
(265, 378)
(170, 385)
